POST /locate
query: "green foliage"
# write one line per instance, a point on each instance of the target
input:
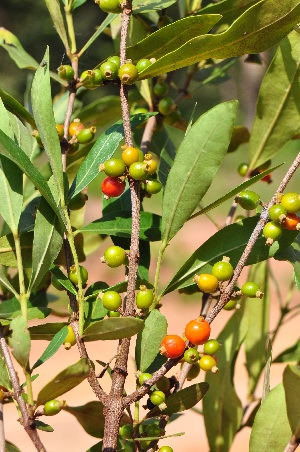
(20, 341)
(114, 328)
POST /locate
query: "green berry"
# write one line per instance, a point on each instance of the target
(128, 73)
(115, 59)
(166, 106)
(143, 64)
(153, 431)
(113, 314)
(86, 79)
(173, 117)
(128, 446)
(207, 363)
(109, 70)
(144, 298)
(78, 201)
(191, 356)
(86, 135)
(53, 407)
(160, 89)
(153, 186)
(111, 300)
(248, 199)
(242, 169)
(109, 6)
(138, 171)
(66, 72)
(272, 231)
(291, 202)
(193, 372)
(114, 256)
(277, 212)
(165, 449)
(211, 347)
(157, 397)
(126, 431)
(73, 275)
(222, 270)
(97, 78)
(239, 218)
(144, 377)
(230, 305)
(114, 167)
(251, 289)
(163, 384)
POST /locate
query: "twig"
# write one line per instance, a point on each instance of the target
(148, 134)
(2, 435)
(26, 420)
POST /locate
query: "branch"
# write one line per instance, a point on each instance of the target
(292, 444)
(26, 420)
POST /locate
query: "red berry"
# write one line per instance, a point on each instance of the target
(172, 346)
(112, 188)
(197, 331)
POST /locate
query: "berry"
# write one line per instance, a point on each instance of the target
(248, 199)
(70, 339)
(191, 356)
(292, 222)
(97, 78)
(222, 270)
(128, 446)
(211, 347)
(53, 407)
(114, 167)
(239, 218)
(144, 377)
(197, 331)
(230, 305)
(66, 72)
(138, 171)
(60, 130)
(153, 431)
(112, 188)
(193, 372)
(160, 89)
(128, 73)
(172, 346)
(272, 231)
(291, 202)
(111, 300)
(153, 186)
(277, 212)
(166, 106)
(206, 282)
(144, 298)
(114, 256)
(163, 384)
(165, 449)
(242, 169)
(130, 155)
(151, 164)
(87, 79)
(115, 59)
(109, 70)
(172, 118)
(251, 289)
(78, 201)
(113, 314)
(208, 363)
(75, 127)
(109, 6)
(157, 397)
(86, 135)
(143, 64)
(126, 431)
(73, 275)
(267, 178)
(1, 395)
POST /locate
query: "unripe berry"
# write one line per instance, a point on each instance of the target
(66, 72)
(248, 199)
(128, 73)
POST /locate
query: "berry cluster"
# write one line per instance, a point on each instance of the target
(166, 105)
(243, 169)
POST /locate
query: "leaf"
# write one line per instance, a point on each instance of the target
(230, 9)
(102, 150)
(182, 400)
(222, 407)
(94, 311)
(21, 134)
(57, 18)
(113, 328)
(4, 282)
(271, 429)
(266, 383)
(62, 279)
(196, 163)
(8, 250)
(167, 157)
(256, 30)
(52, 348)
(20, 341)
(229, 241)
(149, 339)
(4, 375)
(46, 331)
(16, 51)
(291, 384)
(292, 255)
(277, 113)
(66, 380)
(109, 18)
(240, 135)
(120, 224)
(10, 447)
(12, 105)
(44, 117)
(43, 427)
(257, 313)
(171, 37)
(150, 5)
(91, 417)
(291, 354)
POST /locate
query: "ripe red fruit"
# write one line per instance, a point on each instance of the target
(111, 187)
(197, 331)
(172, 346)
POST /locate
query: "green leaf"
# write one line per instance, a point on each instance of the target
(93, 311)
(230, 9)
(167, 158)
(291, 383)
(12, 105)
(44, 117)
(43, 427)
(222, 407)
(46, 331)
(258, 29)
(277, 113)
(113, 328)
(292, 255)
(120, 224)
(271, 429)
(100, 29)
(57, 18)
(16, 51)
(240, 135)
(229, 241)
(20, 341)
(62, 279)
(52, 348)
(66, 380)
(21, 135)
(257, 313)
(171, 37)
(182, 400)
(291, 354)
(149, 339)
(4, 375)
(150, 5)
(102, 150)
(10, 447)
(8, 250)
(91, 417)
(196, 163)
(4, 281)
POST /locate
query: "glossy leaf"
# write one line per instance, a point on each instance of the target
(150, 5)
(259, 28)
(172, 37)
(271, 429)
(93, 311)
(62, 279)
(52, 348)
(113, 328)
(291, 354)
(120, 224)
(12, 105)
(63, 382)
(44, 117)
(229, 241)
(291, 384)
(102, 150)
(182, 400)
(196, 163)
(257, 313)
(292, 255)
(47, 243)
(43, 427)
(4, 375)
(46, 331)
(149, 340)
(20, 341)
(222, 407)
(11, 308)
(277, 113)
(230, 9)
(91, 417)
(57, 18)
